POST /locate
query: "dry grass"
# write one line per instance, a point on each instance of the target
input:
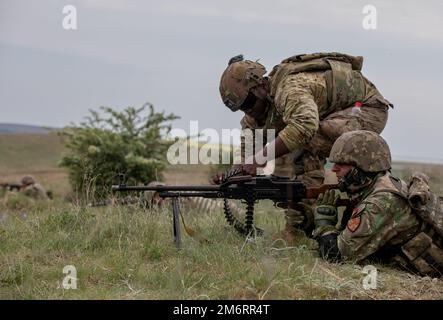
(127, 253)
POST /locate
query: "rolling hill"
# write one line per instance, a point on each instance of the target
(12, 128)
(39, 153)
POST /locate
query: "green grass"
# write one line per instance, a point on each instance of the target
(30, 152)
(128, 253)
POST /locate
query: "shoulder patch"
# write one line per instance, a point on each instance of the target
(354, 221)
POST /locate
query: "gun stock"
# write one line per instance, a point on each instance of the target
(11, 186)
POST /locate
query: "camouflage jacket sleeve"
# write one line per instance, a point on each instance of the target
(295, 101)
(381, 219)
(247, 122)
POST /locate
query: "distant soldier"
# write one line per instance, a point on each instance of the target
(392, 222)
(33, 189)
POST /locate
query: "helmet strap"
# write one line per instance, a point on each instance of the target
(355, 180)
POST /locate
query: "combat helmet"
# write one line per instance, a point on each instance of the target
(238, 79)
(365, 149)
(27, 180)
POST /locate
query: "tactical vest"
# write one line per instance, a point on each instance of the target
(424, 252)
(345, 83)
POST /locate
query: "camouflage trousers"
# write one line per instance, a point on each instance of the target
(309, 164)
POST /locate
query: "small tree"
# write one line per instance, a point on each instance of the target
(113, 143)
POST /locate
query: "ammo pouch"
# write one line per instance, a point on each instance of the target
(423, 255)
(426, 204)
(425, 250)
(345, 83)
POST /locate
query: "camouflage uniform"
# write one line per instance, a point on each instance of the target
(310, 110)
(284, 166)
(383, 224)
(33, 189)
(304, 118)
(382, 219)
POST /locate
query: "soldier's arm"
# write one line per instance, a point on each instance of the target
(377, 220)
(295, 101)
(41, 191)
(374, 222)
(247, 122)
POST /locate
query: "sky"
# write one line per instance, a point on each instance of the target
(172, 53)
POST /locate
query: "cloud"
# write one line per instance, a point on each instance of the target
(172, 53)
(406, 19)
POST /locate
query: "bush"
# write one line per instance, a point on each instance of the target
(112, 143)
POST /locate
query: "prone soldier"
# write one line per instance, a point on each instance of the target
(393, 221)
(33, 189)
(28, 187)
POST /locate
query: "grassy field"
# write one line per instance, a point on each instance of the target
(124, 252)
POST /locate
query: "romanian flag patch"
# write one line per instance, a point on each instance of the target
(354, 222)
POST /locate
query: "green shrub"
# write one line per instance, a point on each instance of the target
(112, 143)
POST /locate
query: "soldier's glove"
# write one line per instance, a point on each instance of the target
(325, 214)
(300, 216)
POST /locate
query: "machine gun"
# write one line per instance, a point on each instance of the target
(283, 191)
(11, 186)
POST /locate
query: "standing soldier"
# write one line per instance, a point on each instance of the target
(392, 221)
(310, 100)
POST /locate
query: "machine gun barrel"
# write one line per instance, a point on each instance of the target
(11, 186)
(166, 188)
(283, 191)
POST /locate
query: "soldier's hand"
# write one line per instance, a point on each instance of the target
(325, 214)
(217, 178)
(301, 216)
(329, 198)
(251, 166)
(308, 211)
(250, 169)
